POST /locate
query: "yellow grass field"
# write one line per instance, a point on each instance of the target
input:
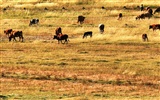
(115, 65)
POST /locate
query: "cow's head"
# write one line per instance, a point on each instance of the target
(55, 37)
(7, 32)
(150, 26)
(137, 17)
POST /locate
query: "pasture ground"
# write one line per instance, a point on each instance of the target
(116, 65)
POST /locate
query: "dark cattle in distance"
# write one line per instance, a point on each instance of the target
(144, 37)
(4, 9)
(33, 21)
(148, 15)
(124, 7)
(140, 16)
(141, 7)
(64, 8)
(80, 19)
(101, 28)
(15, 34)
(143, 16)
(119, 16)
(150, 11)
(8, 31)
(89, 33)
(157, 10)
(45, 8)
(103, 7)
(63, 37)
(154, 26)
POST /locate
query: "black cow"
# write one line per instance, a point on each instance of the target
(144, 37)
(33, 21)
(63, 37)
(119, 16)
(15, 34)
(101, 28)
(141, 7)
(80, 19)
(157, 10)
(89, 33)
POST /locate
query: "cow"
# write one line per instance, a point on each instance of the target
(154, 26)
(149, 10)
(63, 37)
(141, 7)
(58, 31)
(15, 34)
(119, 16)
(89, 33)
(33, 21)
(140, 16)
(103, 7)
(144, 37)
(8, 31)
(101, 28)
(80, 19)
(157, 10)
(144, 15)
(148, 15)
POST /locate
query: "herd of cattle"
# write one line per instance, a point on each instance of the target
(58, 32)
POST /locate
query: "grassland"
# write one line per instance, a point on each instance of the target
(116, 65)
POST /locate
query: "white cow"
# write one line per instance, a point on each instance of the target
(33, 21)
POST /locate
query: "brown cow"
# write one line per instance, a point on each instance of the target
(140, 16)
(148, 15)
(80, 19)
(15, 34)
(150, 11)
(8, 31)
(58, 32)
(144, 37)
(143, 16)
(154, 26)
(63, 37)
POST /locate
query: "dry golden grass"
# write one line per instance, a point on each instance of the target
(116, 65)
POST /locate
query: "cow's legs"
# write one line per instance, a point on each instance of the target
(21, 38)
(14, 39)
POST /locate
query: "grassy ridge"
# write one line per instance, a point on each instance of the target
(113, 65)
